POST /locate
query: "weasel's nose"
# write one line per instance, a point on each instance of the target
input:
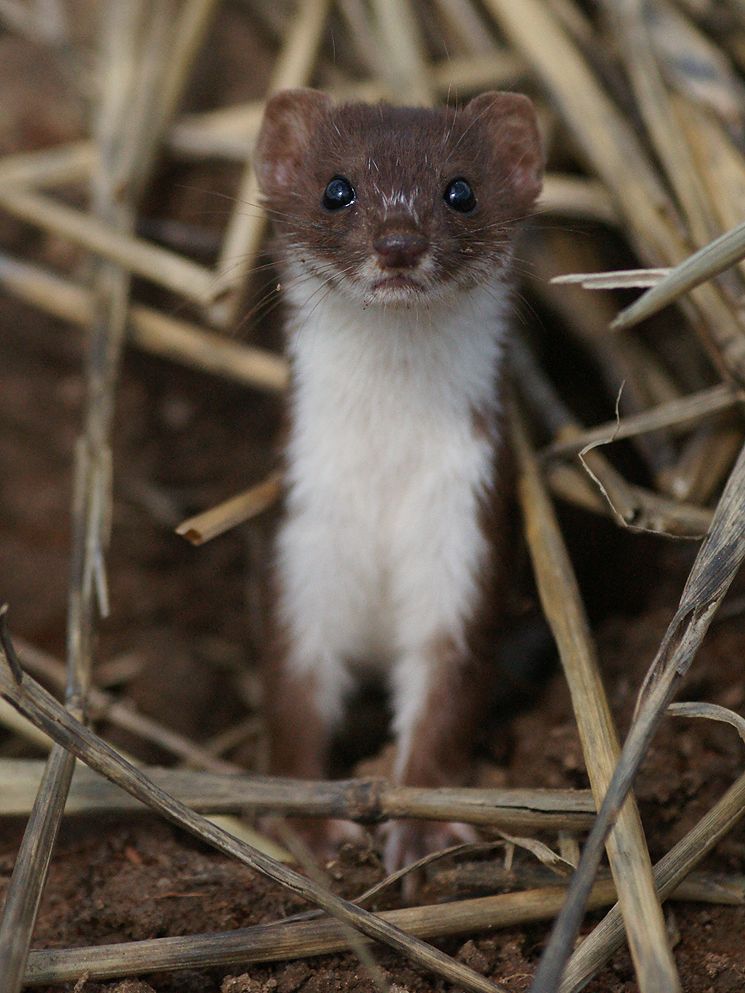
(400, 249)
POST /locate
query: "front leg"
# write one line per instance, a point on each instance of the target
(440, 696)
(306, 676)
(312, 616)
(301, 707)
(299, 721)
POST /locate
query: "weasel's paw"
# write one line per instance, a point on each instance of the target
(322, 837)
(405, 842)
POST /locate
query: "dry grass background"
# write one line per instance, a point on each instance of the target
(642, 107)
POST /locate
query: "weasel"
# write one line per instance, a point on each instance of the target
(394, 229)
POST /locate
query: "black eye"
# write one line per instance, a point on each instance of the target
(339, 193)
(459, 196)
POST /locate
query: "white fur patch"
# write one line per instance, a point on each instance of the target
(381, 550)
(398, 200)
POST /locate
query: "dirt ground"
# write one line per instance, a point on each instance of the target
(183, 617)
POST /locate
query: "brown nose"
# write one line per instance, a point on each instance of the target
(400, 249)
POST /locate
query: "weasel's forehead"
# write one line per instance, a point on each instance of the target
(411, 137)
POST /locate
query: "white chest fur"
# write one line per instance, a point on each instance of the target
(380, 553)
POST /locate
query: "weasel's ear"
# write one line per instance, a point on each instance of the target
(509, 119)
(290, 118)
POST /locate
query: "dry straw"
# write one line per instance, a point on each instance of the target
(34, 703)
(670, 178)
(125, 143)
(280, 942)
(368, 801)
(562, 605)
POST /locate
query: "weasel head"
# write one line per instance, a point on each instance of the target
(396, 205)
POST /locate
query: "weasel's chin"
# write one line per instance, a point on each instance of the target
(396, 288)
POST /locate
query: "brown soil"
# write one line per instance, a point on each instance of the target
(184, 441)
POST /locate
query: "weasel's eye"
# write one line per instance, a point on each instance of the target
(339, 193)
(459, 196)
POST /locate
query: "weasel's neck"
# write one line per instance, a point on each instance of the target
(430, 362)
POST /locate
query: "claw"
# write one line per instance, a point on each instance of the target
(406, 842)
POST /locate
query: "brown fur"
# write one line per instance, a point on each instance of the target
(305, 141)
(415, 153)
(482, 424)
